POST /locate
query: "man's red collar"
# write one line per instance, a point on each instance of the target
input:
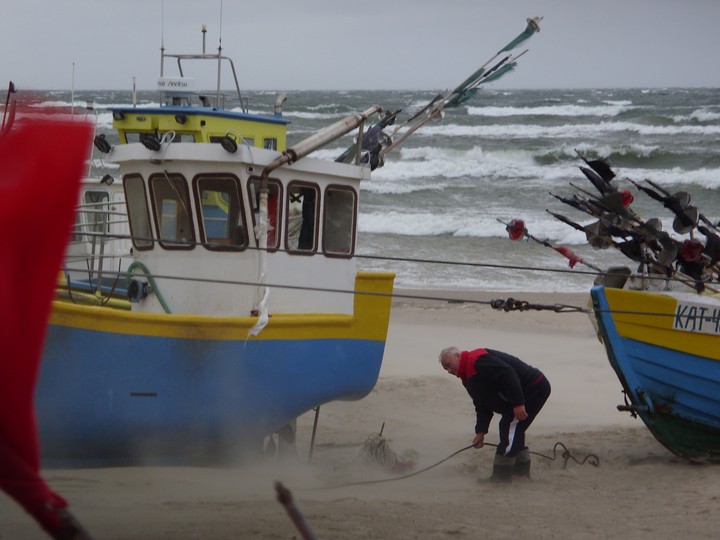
(466, 367)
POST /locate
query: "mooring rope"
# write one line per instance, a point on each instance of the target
(592, 459)
(398, 477)
(389, 258)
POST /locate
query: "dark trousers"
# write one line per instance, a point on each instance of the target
(512, 432)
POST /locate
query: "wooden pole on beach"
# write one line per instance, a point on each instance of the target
(314, 432)
(285, 498)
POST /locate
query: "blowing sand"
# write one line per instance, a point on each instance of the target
(639, 490)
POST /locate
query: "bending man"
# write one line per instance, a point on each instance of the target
(500, 383)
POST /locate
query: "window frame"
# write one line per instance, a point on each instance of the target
(220, 246)
(353, 217)
(130, 203)
(251, 193)
(172, 245)
(316, 222)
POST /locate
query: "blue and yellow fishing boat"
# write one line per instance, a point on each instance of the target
(245, 307)
(665, 349)
(660, 324)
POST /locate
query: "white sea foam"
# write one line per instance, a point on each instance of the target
(704, 177)
(429, 162)
(611, 109)
(440, 195)
(525, 131)
(314, 115)
(408, 224)
(105, 120)
(567, 150)
(402, 187)
(322, 106)
(699, 115)
(482, 222)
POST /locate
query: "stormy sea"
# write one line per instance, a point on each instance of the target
(435, 213)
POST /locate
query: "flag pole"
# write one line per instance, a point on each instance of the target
(518, 226)
(434, 109)
(11, 90)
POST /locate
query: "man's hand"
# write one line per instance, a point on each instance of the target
(520, 412)
(479, 440)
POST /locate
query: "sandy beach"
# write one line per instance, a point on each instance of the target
(639, 489)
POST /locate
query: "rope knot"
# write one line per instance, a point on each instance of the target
(523, 305)
(510, 304)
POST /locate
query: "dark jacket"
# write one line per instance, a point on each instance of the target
(498, 384)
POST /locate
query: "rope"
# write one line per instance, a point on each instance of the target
(128, 274)
(509, 304)
(506, 305)
(592, 459)
(523, 305)
(399, 477)
(515, 305)
(402, 259)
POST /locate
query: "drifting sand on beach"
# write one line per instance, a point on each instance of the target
(639, 490)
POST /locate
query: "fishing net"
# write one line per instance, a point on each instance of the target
(376, 451)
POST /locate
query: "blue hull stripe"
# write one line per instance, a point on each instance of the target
(106, 398)
(689, 385)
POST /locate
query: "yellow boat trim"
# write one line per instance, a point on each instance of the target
(369, 321)
(201, 127)
(649, 317)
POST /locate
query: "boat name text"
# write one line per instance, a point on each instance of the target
(697, 318)
(178, 84)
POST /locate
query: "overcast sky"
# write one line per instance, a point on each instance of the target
(355, 44)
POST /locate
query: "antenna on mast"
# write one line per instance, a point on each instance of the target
(221, 19)
(162, 36)
(72, 93)
(217, 97)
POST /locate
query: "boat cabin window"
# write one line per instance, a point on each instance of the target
(339, 220)
(183, 101)
(273, 208)
(94, 217)
(138, 213)
(132, 137)
(222, 217)
(302, 214)
(270, 144)
(183, 137)
(171, 208)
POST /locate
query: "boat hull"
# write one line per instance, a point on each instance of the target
(119, 388)
(665, 350)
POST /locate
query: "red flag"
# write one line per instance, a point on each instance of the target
(41, 164)
(572, 258)
(516, 229)
(626, 198)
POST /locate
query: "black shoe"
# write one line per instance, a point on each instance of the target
(522, 469)
(502, 474)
